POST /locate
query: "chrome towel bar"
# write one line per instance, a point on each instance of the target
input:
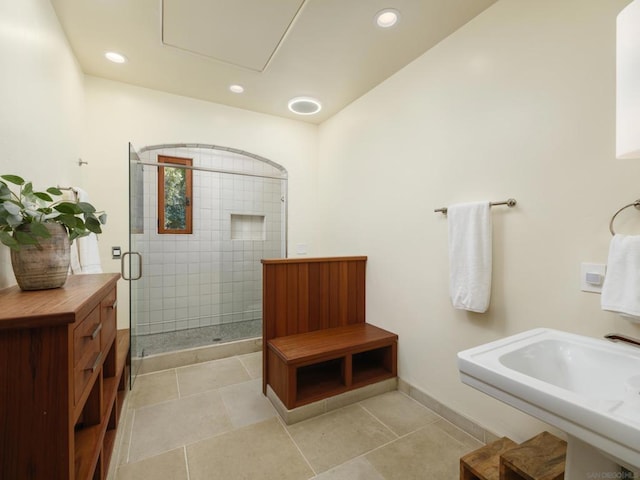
(510, 202)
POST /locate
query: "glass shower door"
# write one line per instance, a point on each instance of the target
(132, 260)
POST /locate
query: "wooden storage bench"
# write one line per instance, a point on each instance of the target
(310, 366)
(316, 343)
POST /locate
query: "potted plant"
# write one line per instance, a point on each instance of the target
(40, 229)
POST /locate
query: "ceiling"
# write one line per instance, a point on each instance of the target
(276, 49)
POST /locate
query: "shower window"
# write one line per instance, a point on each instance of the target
(175, 200)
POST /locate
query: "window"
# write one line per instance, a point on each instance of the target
(175, 196)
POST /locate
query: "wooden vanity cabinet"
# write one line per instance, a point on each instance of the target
(63, 378)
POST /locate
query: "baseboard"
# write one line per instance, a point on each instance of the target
(462, 422)
(298, 414)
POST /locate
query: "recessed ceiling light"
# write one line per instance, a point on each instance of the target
(387, 18)
(115, 57)
(305, 105)
(236, 88)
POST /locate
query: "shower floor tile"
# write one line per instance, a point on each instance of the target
(225, 428)
(197, 337)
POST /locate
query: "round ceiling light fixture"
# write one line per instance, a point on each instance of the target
(387, 18)
(236, 88)
(115, 57)
(305, 105)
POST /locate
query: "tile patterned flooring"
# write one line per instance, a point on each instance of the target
(210, 421)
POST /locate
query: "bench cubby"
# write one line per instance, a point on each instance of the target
(315, 380)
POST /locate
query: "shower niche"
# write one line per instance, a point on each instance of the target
(247, 227)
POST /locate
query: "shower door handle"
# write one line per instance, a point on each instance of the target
(122, 265)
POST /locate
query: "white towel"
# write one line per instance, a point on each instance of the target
(470, 255)
(621, 289)
(87, 256)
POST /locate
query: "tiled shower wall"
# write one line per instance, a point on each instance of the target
(210, 277)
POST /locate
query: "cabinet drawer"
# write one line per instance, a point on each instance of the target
(87, 356)
(108, 318)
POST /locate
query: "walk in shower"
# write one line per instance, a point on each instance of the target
(202, 217)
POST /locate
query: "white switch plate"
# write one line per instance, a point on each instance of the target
(597, 268)
(301, 248)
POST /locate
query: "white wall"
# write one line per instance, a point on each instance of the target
(41, 98)
(118, 113)
(518, 103)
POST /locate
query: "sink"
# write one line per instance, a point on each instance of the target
(587, 387)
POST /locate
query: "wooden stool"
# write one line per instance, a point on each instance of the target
(539, 458)
(484, 463)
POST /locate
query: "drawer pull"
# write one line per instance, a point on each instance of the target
(96, 363)
(95, 332)
(114, 304)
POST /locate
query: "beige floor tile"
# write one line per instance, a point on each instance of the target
(154, 388)
(338, 436)
(253, 363)
(356, 469)
(399, 412)
(246, 404)
(210, 375)
(428, 453)
(167, 466)
(261, 451)
(163, 427)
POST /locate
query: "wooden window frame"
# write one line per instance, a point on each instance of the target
(189, 195)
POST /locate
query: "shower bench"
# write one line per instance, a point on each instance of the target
(316, 342)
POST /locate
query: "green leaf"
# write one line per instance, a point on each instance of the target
(93, 225)
(27, 189)
(70, 221)
(39, 230)
(86, 207)
(76, 234)
(9, 241)
(54, 191)
(43, 196)
(68, 207)
(23, 238)
(5, 191)
(13, 179)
